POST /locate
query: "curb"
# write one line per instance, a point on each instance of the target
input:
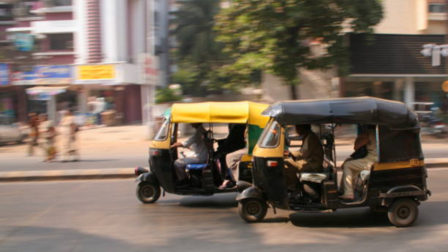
(123, 173)
(67, 175)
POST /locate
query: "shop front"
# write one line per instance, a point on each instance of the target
(48, 89)
(108, 89)
(394, 67)
(12, 99)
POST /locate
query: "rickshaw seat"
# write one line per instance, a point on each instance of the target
(196, 166)
(364, 175)
(313, 177)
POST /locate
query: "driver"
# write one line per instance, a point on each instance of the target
(197, 144)
(308, 159)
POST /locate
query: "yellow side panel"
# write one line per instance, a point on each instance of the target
(160, 144)
(398, 165)
(246, 158)
(276, 152)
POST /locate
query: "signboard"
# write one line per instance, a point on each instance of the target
(96, 72)
(91, 74)
(4, 74)
(59, 74)
(43, 75)
(149, 69)
(24, 42)
(23, 78)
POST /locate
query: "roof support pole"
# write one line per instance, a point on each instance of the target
(398, 89)
(409, 91)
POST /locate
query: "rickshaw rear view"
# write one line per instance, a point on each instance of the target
(395, 182)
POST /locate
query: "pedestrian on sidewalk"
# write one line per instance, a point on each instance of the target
(33, 124)
(68, 130)
(47, 137)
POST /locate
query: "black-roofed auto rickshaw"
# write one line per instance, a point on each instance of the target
(204, 179)
(395, 183)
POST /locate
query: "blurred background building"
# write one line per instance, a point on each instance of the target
(75, 54)
(66, 54)
(388, 64)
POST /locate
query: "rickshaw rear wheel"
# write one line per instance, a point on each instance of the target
(403, 212)
(252, 210)
(147, 192)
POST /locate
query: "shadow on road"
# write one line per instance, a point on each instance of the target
(342, 218)
(216, 201)
(94, 160)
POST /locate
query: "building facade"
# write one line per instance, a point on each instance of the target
(389, 64)
(394, 63)
(84, 51)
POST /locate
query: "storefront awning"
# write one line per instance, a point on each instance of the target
(46, 90)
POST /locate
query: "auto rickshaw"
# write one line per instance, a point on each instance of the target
(395, 184)
(204, 178)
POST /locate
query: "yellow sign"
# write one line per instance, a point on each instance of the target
(96, 72)
(445, 86)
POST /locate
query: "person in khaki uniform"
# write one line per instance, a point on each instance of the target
(308, 159)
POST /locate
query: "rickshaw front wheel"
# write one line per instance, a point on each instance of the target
(252, 210)
(403, 212)
(147, 192)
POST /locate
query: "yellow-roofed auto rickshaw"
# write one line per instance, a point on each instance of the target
(395, 182)
(204, 178)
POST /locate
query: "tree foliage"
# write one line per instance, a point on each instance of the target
(274, 35)
(164, 95)
(198, 51)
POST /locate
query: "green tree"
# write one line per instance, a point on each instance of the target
(274, 35)
(198, 49)
(166, 95)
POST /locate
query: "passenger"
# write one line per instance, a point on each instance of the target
(352, 167)
(308, 159)
(197, 144)
(234, 142)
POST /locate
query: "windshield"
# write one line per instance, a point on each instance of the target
(163, 131)
(271, 136)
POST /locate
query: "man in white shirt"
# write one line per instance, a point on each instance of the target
(197, 144)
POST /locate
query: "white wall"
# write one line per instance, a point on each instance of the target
(114, 33)
(138, 28)
(403, 17)
(80, 42)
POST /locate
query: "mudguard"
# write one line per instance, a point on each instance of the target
(409, 191)
(147, 177)
(250, 193)
(242, 185)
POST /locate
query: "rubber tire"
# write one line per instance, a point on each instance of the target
(403, 212)
(245, 207)
(145, 196)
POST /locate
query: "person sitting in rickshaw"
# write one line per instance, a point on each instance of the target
(200, 153)
(352, 167)
(235, 141)
(309, 159)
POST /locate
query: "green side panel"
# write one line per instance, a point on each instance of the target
(254, 134)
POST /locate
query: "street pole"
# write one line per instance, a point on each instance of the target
(150, 88)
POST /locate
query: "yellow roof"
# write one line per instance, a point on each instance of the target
(220, 112)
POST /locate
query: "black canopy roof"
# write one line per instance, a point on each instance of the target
(364, 110)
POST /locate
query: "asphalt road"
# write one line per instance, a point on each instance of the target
(105, 215)
(130, 154)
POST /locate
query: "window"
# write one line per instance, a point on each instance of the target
(437, 8)
(61, 41)
(62, 2)
(271, 136)
(163, 131)
(6, 12)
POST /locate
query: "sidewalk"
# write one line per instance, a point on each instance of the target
(122, 173)
(112, 152)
